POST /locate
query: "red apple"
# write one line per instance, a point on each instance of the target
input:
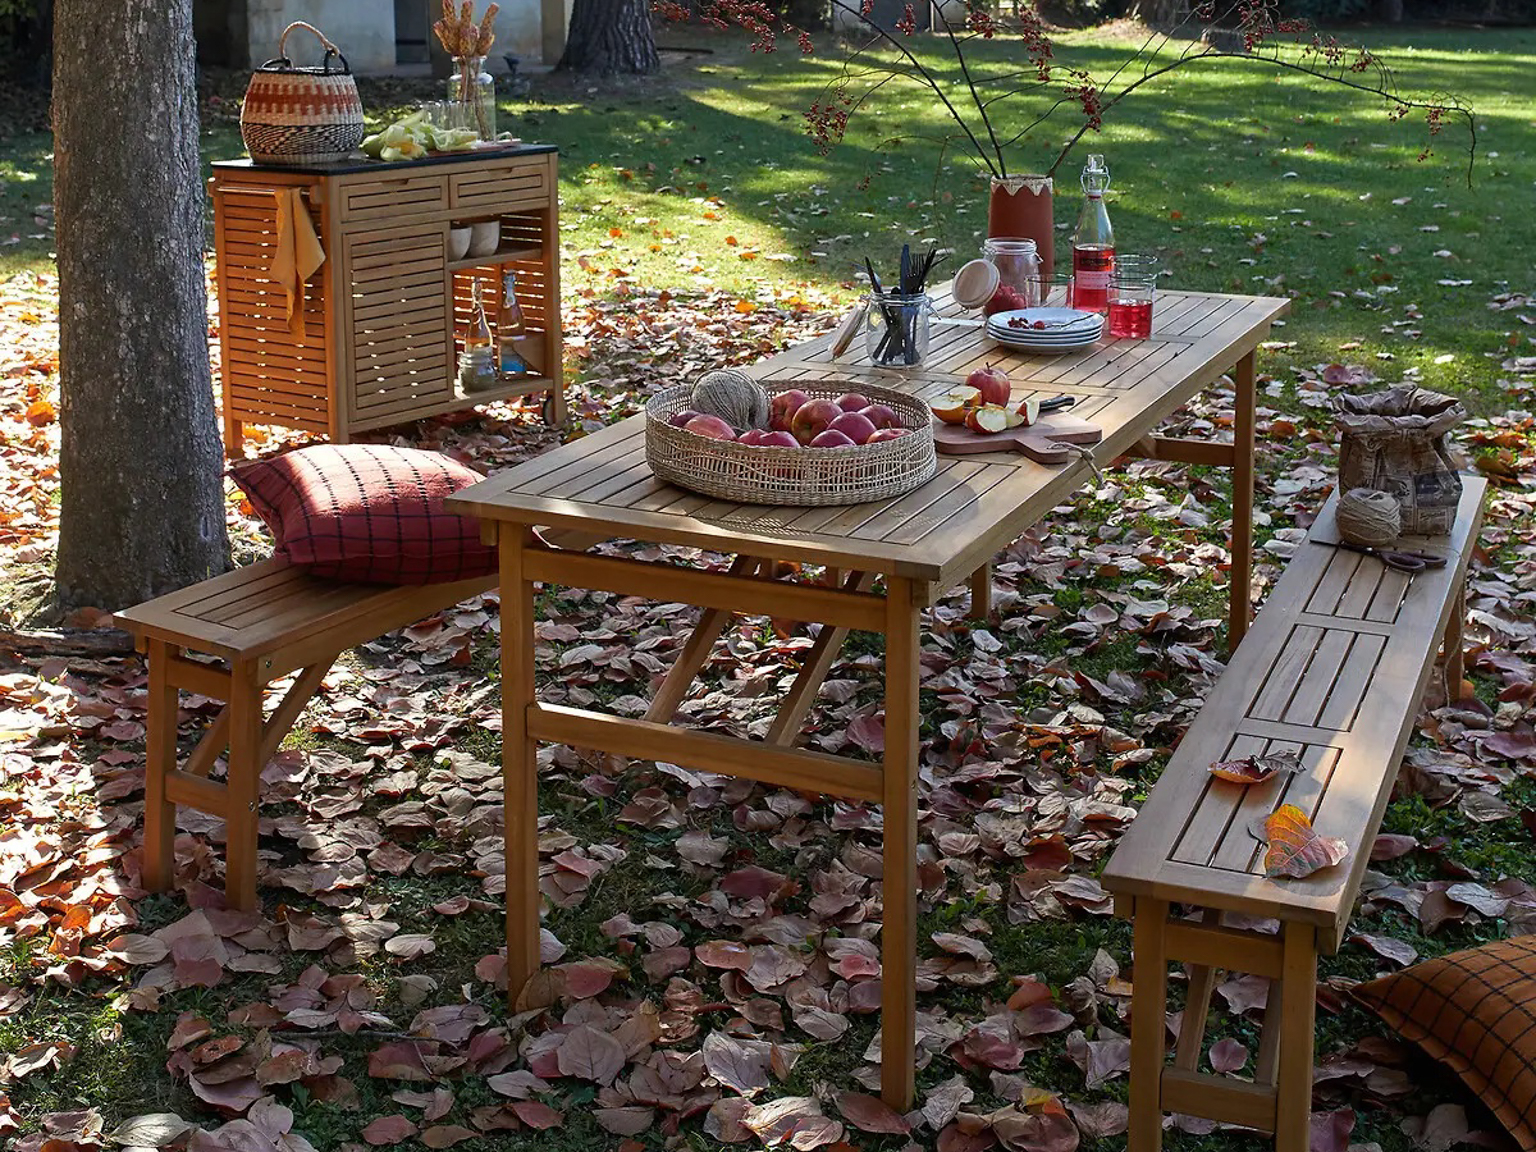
(952, 408)
(880, 416)
(854, 425)
(852, 402)
(993, 384)
(680, 419)
(778, 440)
(710, 426)
(812, 417)
(753, 436)
(881, 435)
(782, 409)
(831, 438)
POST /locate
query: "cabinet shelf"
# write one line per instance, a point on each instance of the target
(505, 256)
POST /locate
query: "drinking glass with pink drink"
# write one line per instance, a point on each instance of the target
(1130, 304)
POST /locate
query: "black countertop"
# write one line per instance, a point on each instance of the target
(357, 162)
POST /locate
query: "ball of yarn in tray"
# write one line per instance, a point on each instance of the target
(1369, 517)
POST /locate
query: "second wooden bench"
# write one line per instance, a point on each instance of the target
(1335, 670)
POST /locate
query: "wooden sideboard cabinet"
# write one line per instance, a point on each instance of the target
(386, 312)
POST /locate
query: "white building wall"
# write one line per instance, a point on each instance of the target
(364, 31)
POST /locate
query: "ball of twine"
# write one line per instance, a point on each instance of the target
(1369, 517)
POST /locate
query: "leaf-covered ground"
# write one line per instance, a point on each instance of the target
(712, 944)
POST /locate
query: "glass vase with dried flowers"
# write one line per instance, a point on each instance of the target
(471, 88)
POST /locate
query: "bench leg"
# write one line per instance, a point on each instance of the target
(1454, 648)
(981, 592)
(1297, 1040)
(159, 762)
(1149, 1011)
(1240, 606)
(242, 789)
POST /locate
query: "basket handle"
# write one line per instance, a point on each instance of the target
(330, 49)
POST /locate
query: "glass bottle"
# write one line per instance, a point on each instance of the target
(471, 87)
(477, 370)
(510, 328)
(1093, 244)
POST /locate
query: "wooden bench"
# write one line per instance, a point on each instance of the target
(261, 623)
(1335, 668)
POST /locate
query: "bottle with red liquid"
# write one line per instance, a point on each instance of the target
(1093, 244)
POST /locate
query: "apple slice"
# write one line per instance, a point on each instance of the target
(1030, 411)
(987, 419)
(952, 408)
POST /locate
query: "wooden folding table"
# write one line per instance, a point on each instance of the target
(893, 557)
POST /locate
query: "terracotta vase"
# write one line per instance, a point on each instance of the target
(1022, 206)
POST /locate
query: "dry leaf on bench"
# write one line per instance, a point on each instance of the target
(1256, 769)
(1295, 848)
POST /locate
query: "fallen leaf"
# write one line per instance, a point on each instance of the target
(1256, 769)
(389, 1130)
(1295, 848)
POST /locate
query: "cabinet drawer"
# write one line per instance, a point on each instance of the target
(403, 196)
(491, 188)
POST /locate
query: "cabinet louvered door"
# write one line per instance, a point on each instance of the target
(400, 323)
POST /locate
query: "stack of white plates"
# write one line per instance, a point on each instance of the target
(1045, 330)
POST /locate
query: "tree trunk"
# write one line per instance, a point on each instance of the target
(1390, 11)
(609, 36)
(142, 507)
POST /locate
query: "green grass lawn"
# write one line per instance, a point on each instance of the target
(1241, 180)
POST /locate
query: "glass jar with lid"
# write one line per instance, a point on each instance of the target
(1018, 273)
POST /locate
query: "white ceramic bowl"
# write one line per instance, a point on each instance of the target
(458, 242)
(485, 237)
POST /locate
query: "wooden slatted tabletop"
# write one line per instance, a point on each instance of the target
(941, 532)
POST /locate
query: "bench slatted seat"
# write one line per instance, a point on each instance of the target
(260, 623)
(1335, 669)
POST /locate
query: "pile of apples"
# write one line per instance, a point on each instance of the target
(983, 404)
(797, 421)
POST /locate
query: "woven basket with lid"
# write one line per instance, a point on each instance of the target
(297, 115)
(793, 476)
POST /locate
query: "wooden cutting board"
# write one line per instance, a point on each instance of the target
(1045, 441)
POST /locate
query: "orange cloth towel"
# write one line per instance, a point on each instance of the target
(298, 254)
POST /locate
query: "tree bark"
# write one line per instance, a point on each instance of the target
(142, 503)
(610, 36)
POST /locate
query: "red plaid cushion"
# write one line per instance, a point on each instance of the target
(368, 513)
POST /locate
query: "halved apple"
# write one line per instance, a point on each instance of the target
(952, 407)
(988, 419)
(1030, 411)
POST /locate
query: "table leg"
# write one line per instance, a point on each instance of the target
(1242, 502)
(519, 762)
(679, 678)
(898, 934)
(818, 662)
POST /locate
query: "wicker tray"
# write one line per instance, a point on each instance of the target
(795, 476)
